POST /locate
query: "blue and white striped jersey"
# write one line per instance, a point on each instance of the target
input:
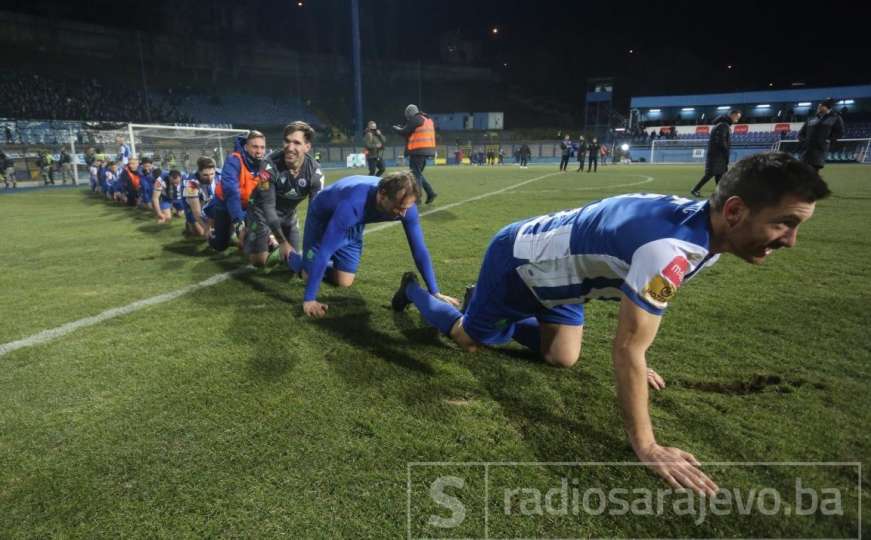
(124, 154)
(643, 245)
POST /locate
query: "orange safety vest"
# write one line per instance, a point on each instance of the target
(134, 178)
(247, 182)
(423, 136)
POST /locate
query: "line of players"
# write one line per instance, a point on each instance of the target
(135, 182)
(537, 274)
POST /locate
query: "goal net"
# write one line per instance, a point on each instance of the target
(169, 147)
(678, 151)
(174, 147)
(841, 151)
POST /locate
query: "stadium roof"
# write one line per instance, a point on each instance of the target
(737, 98)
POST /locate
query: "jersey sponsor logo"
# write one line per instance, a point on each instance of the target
(659, 289)
(676, 270)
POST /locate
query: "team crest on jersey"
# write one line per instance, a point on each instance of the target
(660, 289)
(301, 182)
(263, 179)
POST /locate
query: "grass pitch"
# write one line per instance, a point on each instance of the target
(226, 412)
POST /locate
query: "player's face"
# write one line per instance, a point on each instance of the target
(295, 149)
(398, 207)
(176, 180)
(256, 147)
(133, 163)
(207, 176)
(755, 235)
(147, 167)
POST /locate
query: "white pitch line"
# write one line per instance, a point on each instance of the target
(52, 334)
(387, 224)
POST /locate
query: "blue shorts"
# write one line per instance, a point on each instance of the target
(178, 205)
(501, 298)
(345, 259)
(164, 205)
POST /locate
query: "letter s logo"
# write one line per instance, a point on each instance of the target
(457, 508)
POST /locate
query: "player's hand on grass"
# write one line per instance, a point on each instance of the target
(680, 469)
(314, 309)
(449, 299)
(285, 249)
(654, 380)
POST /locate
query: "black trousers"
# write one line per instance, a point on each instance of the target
(417, 164)
(564, 163)
(581, 161)
(220, 239)
(705, 179)
(594, 163)
(523, 161)
(132, 194)
(376, 166)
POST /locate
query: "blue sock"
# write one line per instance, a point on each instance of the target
(437, 313)
(528, 333)
(294, 262)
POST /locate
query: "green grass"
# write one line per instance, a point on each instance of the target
(227, 413)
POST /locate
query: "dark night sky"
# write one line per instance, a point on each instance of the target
(552, 47)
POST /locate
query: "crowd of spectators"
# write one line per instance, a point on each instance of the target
(39, 97)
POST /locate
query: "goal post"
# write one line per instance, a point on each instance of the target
(180, 146)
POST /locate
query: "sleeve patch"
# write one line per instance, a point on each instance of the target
(675, 270)
(660, 290)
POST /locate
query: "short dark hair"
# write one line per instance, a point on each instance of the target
(735, 111)
(205, 162)
(393, 183)
(175, 173)
(156, 172)
(828, 103)
(145, 160)
(254, 134)
(763, 180)
(307, 131)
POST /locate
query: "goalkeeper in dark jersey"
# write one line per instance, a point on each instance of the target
(285, 179)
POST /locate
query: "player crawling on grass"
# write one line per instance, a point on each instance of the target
(199, 193)
(286, 178)
(166, 199)
(537, 274)
(333, 235)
